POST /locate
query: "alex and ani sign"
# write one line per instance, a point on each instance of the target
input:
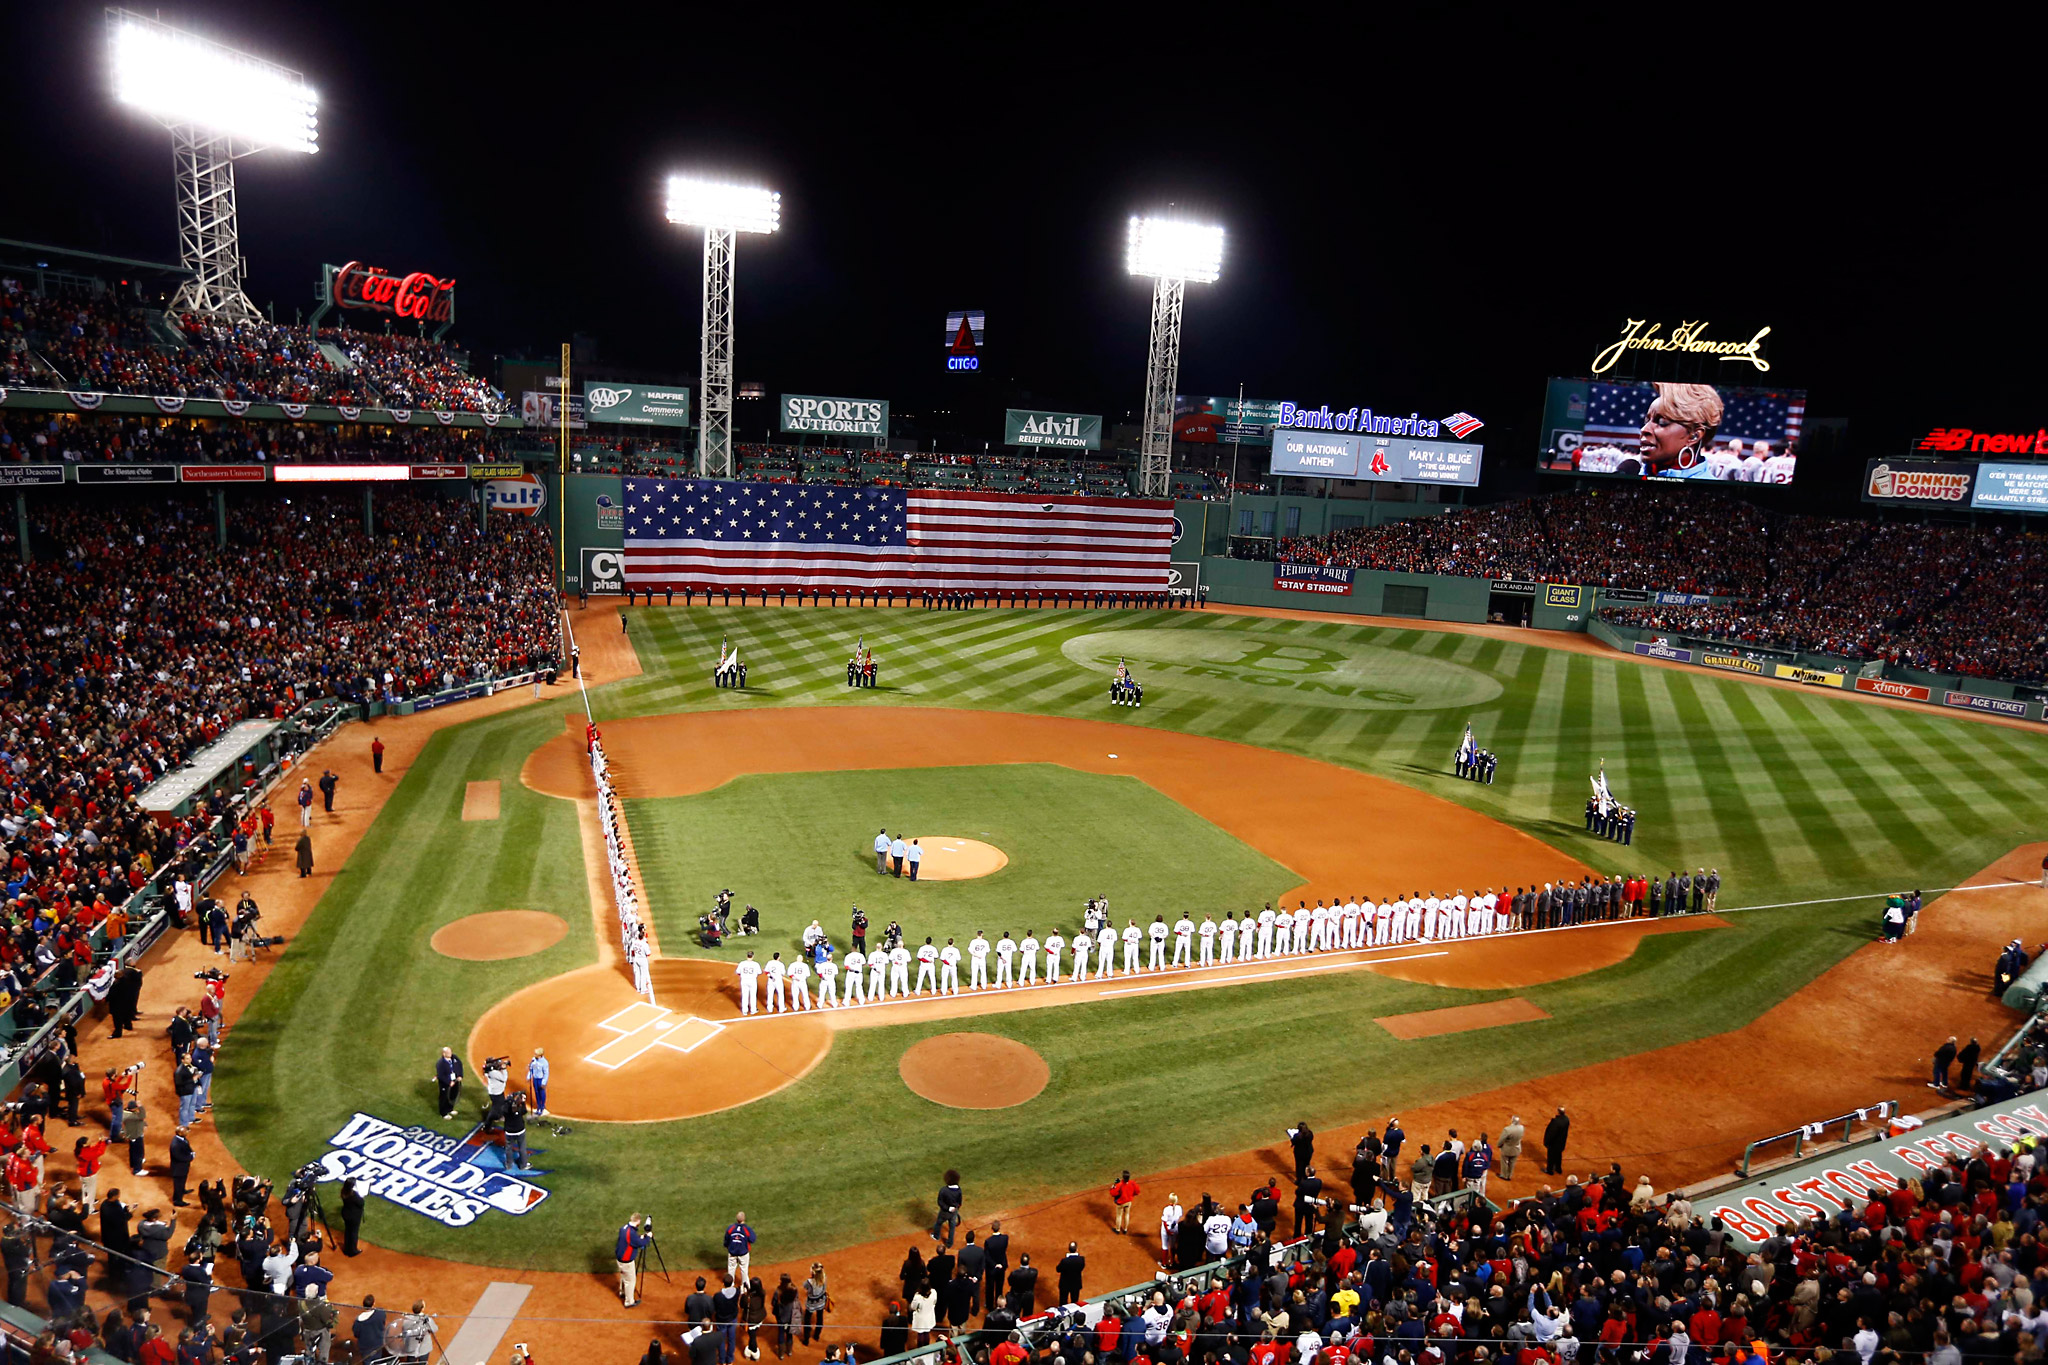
(1687, 338)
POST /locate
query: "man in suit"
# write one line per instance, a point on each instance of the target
(1306, 1191)
(1302, 1139)
(1069, 1270)
(1023, 1287)
(181, 1166)
(1699, 891)
(368, 1329)
(1390, 1142)
(448, 1080)
(1510, 1147)
(1554, 1134)
(996, 1264)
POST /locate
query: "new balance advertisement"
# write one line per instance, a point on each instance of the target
(1709, 432)
(635, 405)
(1311, 578)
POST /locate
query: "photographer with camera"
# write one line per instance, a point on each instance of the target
(632, 1243)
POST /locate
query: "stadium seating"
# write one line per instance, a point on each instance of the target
(53, 438)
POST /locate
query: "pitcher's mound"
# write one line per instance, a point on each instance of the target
(947, 859)
(499, 934)
(974, 1071)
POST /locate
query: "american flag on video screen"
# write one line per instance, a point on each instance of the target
(720, 533)
(1616, 412)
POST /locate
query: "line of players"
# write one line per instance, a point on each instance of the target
(1357, 924)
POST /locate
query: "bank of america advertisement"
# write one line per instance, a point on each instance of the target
(1062, 430)
(1218, 420)
(638, 405)
(1376, 459)
(835, 416)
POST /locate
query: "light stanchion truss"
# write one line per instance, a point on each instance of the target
(219, 105)
(723, 211)
(1171, 251)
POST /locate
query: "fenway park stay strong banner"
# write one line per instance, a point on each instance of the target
(723, 534)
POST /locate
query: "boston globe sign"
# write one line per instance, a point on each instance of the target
(1064, 430)
(639, 405)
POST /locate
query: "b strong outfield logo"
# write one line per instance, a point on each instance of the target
(1251, 666)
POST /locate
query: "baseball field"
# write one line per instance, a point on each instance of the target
(1273, 757)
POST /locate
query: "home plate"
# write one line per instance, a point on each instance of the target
(641, 1027)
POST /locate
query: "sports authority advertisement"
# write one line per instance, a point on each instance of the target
(966, 334)
(1063, 430)
(636, 405)
(1919, 483)
(2011, 488)
(835, 416)
(1206, 420)
(1709, 432)
(1375, 459)
(1311, 578)
(453, 1181)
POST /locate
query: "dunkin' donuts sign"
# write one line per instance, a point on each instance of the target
(1929, 483)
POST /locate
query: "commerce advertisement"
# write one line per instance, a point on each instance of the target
(1708, 432)
(1847, 1180)
(1376, 459)
(635, 405)
(1997, 706)
(1657, 649)
(1734, 663)
(1816, 677)
(2011, 488)
(808, 412)
(1885, 687)
(1919, 483)
(1209, 420)
(1311, 578)
(1063, 430)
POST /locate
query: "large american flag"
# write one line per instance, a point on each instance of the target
(719, 533)
(1616, 411)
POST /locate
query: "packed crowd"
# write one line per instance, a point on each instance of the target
(96, 341)
(100, 438)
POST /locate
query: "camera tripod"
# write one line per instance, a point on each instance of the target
(660, 1260)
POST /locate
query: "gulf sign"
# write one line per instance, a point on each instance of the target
(1819, 1189)
(525, 494)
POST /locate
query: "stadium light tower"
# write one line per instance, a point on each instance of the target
(1172, 251)
(219, 104)
(723, 211)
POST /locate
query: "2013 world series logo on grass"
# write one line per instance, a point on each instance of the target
(453, 1181)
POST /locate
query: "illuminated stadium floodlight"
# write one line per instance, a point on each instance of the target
(723, 211)
(1172, 251)
(219, 104)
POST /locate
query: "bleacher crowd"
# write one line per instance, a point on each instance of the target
(101, 438)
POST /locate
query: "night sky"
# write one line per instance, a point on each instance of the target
(1419, 220)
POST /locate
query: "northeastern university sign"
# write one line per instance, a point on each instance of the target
(1848, 1180)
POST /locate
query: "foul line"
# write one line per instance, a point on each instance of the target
(1873, 895)
(1265, 976)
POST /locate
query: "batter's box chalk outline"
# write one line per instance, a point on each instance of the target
(642, 1027)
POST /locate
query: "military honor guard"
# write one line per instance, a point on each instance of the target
(730, 671)
(1125, 690)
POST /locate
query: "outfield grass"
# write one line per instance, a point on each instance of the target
(799, 846)
(1793, 795)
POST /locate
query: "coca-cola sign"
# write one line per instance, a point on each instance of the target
(416, 296)
(1928, 483)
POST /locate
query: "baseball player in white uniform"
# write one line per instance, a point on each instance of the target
(1105, 951)
(1006, 953)
(1156, 961)
(775, 970)
(1353, 917)
(899, 970)
(1208, 933)
(1430, 905)
(1302, 920)
(927, 968)
(1267, 919)
(856, 967)
(828, 985)
(1133, 936)
(1482, 913)
(949, 968)
(799, 985)
(1084, 943)
(1318, 926)
(1247, 933)
(1411, 918)
(1027, 961)
(977, 962)
(749, 974)
(1183, 942)
(1283, 933)
(1053, 944)
(878, 971)
(637, 954)
(1382, 922)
